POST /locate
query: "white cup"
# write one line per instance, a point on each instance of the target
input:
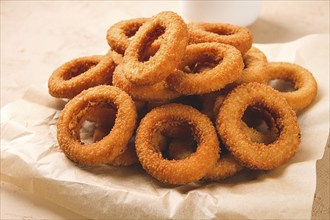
(241, 13)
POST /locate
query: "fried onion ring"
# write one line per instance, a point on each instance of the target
(171, 50)
(237, 36)
(184, 171)
(254, 62)
(111, 145)
(105, 117)
(257, 123)
(225, 167)
(155, 92)
(208, 103)
(303, 81)
(228, 66)
(81, 73)
(252, 154)
(118, 35)
(128, 157)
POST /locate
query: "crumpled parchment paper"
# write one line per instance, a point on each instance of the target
(32, 160)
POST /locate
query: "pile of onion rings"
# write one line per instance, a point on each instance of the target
(187, 101)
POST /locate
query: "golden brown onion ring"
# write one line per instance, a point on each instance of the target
(225, 167)
(155, 92)
(228, 67)
(208, 103)
(177, 171)
(257, 123)
(114, 143)
(237, 36)
(254, 62)
(172, 48)
(81, 73)
(176, 130)
(128, 157)
(303, 81)
(119, 34)
(252, 154)
(104, 118)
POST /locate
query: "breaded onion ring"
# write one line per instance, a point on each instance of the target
(184, 171)
(217, 104)
(104, 118)
(81, 73)
(228, 66)
(248, 153)
(172, 130)
(237, 36)
(208, 103)
(204, 103)
(128, 157)
(114, 143)
(225, 167)
(174, 41)
(118, 35)
(303, 81)
(254, 62)
(257, 123)
(155, 92)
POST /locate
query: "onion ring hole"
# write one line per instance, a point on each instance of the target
(263, 122)
(180, 133)
(97, 123)
(282, 85)
(219, 31)
(200, 64)
(79, 69)
(149, 49)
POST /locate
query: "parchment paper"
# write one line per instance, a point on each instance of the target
(32, 160)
